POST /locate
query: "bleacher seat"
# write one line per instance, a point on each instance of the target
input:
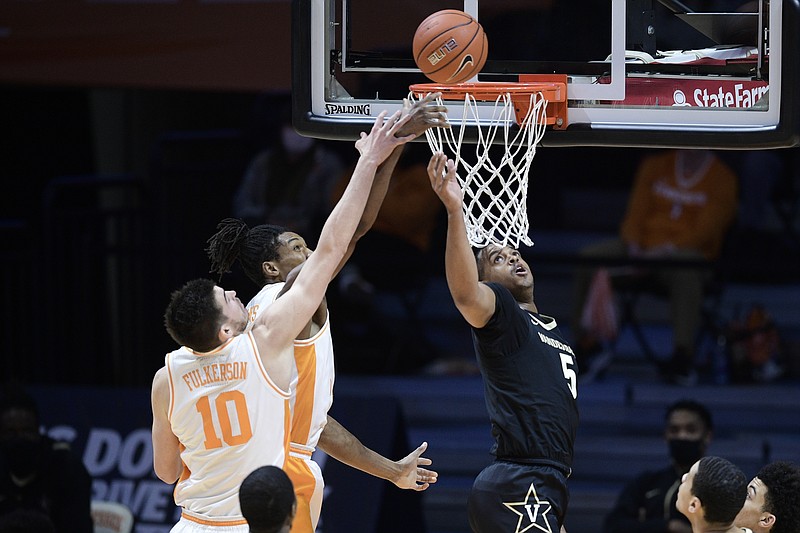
(111, 517)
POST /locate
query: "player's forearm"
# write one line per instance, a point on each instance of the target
(341, 224)
(167, 472)
(166, 455)
(374, 201)
(370, 462)
(343, 446)
(460, 269)
(378, 192)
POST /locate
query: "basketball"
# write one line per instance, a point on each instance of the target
(450, 46)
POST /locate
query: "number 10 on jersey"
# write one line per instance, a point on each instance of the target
(236, 401)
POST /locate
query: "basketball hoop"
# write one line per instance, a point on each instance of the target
(495, 194)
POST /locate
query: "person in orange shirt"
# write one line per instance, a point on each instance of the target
(681, 206)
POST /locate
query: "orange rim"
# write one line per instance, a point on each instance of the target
(553, 89)
(481, 90)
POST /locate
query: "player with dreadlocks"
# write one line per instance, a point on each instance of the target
(222, 402)
(271, 256)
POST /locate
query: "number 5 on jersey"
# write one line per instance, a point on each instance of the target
(569, 373)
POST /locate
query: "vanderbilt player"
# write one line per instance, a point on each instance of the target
(529, 374)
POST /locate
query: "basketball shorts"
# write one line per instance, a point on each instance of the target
(306, 477)
(512, 497)
(187, 524)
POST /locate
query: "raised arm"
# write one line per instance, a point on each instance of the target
(407, 473)
(166, 448)
(474, 300)
(289, 314)
(422, 115)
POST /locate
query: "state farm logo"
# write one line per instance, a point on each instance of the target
(726, 95)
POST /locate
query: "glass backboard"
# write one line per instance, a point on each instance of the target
(648, 73)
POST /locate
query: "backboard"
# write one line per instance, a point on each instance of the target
(719, 74)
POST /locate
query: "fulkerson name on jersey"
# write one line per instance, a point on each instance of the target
(214, 373)
(555, 344)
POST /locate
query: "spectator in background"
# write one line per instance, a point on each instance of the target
(288, 182)
(647, 503)
(681, 207)
(266, 497)
(37, 473)
(773, 500)
(711, 494)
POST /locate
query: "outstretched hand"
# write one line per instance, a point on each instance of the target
(442, 173)
(423, 115)
(413, 476)
(382, 139)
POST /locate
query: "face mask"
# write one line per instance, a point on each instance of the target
(686, 452)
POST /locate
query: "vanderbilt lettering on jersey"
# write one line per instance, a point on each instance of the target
(552, 342)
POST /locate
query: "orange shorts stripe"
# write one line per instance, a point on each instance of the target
(302, 520)
(207, 522)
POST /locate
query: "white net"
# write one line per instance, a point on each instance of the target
(495, 193)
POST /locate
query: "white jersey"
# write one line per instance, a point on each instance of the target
(262, 300)
(312, 377)
(230, 419)
(312, 396)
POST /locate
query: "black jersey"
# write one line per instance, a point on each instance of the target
(530, 381)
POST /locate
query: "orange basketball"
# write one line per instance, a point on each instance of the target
(450, 46)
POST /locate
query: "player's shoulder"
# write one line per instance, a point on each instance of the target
(160, 373)
(266, 295)
(543, 321)
(161, 384)
(500, 291)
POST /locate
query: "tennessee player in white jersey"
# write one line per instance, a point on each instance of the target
(269, 255)
(244, 371)
(312, 384)
(239, 406)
